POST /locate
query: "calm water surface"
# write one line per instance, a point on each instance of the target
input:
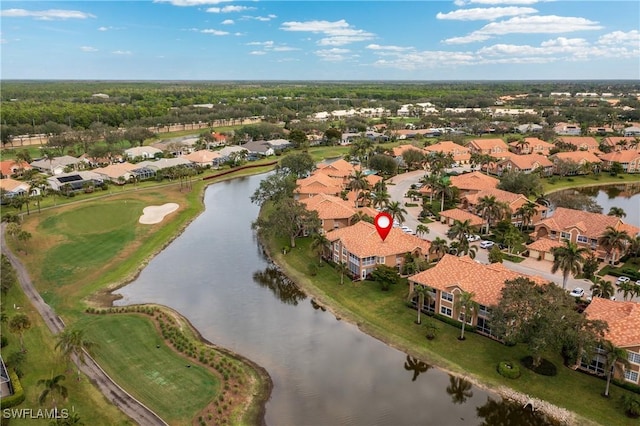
(625, 196)
(325, 371)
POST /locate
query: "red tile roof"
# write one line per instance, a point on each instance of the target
(528, 161)
(545, 245)
(581, 141)
(591, 225)
(488, 144)
(577, 156)
(474, 181)
(462, 215)
(623, 319)
(331, 207)
(485, 281)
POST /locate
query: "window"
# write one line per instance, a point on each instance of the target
(344, 251)
(483, 311)
(596, 365)
(583, 239)
(634, 357)
(371, 260)
(565, 235)
(461, 318)
(553, 234)
(381, 260)
(631, 376)
(445, 311)
(446, 296)
(483, 326)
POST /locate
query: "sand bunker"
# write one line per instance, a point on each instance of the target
(155, 214)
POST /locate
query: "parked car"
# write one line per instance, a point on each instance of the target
(487, 244)
(638, 282)
(622, 280)
(577, 292)
(471, 238)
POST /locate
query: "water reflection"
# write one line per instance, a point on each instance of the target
(418, 367)
(459, 389)
(281, 286)
(511, 413)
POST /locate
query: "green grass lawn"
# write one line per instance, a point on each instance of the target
(385, 315)
(588, 180)
(156, 376)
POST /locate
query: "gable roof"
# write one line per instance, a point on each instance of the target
(485, 281)
(579, 141)
(114, 171)
(474, 181)
(577, 156)
(362, 239)
(202, 156)
(488, 144)
(534, 142)
(462, 215)
(459, 152)
(401, 149)
(332, 207)
(622, 317)
(339, 168)
(9, 167)
(612, 141)
(138, 151)
(592, 225)
(501, 196)
(63, 161)
(12, 185)
(624, 156)
(528, 161)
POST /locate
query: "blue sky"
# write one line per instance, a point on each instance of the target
(320, 40)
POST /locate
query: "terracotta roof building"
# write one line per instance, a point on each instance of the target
(461, 154)
(578, 158)
(514, 201)
(317, 184)
(401, 149)
(334, 212)
(531, 146)
(582, 143)
(583, 228)
(449, 216)
(11, 187)
(472, 182)
(623, 319)
(11, 168)
(204, 158)
(361, 248)
(629, 159)
(488, 146)
(338, 169)
(526, 163)
(452, 275)
(618, 143)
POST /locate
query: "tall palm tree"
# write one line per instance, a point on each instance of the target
(73, 341)
(634, 246)
(20, 323)
(358, 182)
(460, 229)
(380, 198)
(397, 212)
(445, 190)
(602, 288)
(52, 386)
(521, 144)
(568, 259)
(318, 243)
(439, 246)
(617, 212)
(614, 241)
(422, 230)
(613, 355)
(424, 294)
(360, 215)
(629, 290)
(342, 269)
(490, 208)
(431, 181)
(465, 305)
(526, 212)
(459, 389)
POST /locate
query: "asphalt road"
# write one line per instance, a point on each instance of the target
(133, 408)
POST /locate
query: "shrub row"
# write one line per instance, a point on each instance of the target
(18, 392)
(510, 370)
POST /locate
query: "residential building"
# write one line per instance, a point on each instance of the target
(581, 162)
(279, 144)
(632, 131)
(361, 248)
(334, 212)
(582, 143)
(451, 215)
(339, 169)
(56, 165)
(144, 152)
(567, 129)
(318, 183)
(581, 227)
(529, 128)
(623, 319)
(618, 143)
(228, 152)
(525, 164)
(513, 201)
(401, 149)
(177, 146)
(258, 149)
(119, 173)
(453, 275)
(12, 168)
(488, 146)
(461, 154)
(12, 188)
(470, 183)
(204, 158)
(531, 146)
(165, 163)
(629, 159)
(74, 181)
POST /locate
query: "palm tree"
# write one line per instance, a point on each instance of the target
(521, 144)
(52, 386)
(417, 366)
(445, 190)
(634, 246)
(526, 212)
(20, 323)
(358, 182)
(490, 208)
(439, 246)
(629, 290)
(73, 341)
(459, 389)
(602, 288)
(423, 293)
(465, 304)
(380, 198)
(614, 241)
(431, 181)
(318, 243)
(396, 211)
(342, 269)
(568, 259)
(617, 212)
(360, 215)
(460, 229)
(613, 354)
(422, 230)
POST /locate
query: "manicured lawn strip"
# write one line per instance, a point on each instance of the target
(385, 316)
(590, 180)
(42, 360)
(158, 377)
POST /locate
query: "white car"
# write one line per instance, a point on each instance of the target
(487, 244)
(577, 292)
(471, 238)
(622, 280)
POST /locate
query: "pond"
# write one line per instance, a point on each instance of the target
(325, 371)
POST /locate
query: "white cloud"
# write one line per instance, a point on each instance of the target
(227, 22)
(621, 38)
(284, 49)
(109, 28)
(229, 9)
(213, 31)
(389, 48)
(548, 24)
(270, 46)
(191, 2)
(268, 43)
(261, 18)
(45, 15)
(461, 3)
(88, 49)
(333, 55)
(257, 52)
(121, 52)
(337, 33)
(485, 14)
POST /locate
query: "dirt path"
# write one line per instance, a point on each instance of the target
(133, 408)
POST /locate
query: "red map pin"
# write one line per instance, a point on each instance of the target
(383, 223)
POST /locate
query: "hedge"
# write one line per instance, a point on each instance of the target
(18, 393)
(510, 370)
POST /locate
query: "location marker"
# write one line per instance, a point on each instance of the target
(384, 223)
